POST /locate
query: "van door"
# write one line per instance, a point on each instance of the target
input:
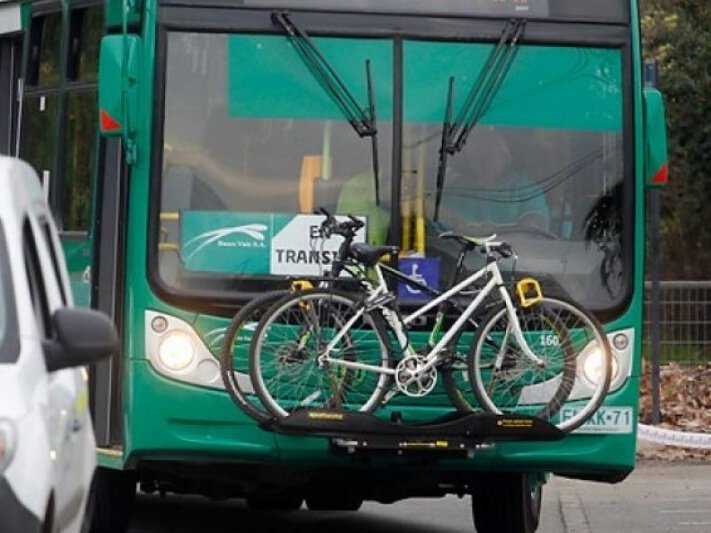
(68, 423)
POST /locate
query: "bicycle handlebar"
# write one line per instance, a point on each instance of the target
(331, 226)
(348, 228)
(486, 244)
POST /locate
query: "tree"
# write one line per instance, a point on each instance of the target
(677, 33)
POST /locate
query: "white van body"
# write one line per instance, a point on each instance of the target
(47, 447)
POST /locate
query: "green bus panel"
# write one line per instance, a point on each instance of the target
(170, 420)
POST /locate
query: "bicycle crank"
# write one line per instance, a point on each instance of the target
(411, 377)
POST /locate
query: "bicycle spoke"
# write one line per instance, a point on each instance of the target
(289, 362)
(505, 379)
(235, 355)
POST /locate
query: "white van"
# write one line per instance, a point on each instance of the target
(47, 448)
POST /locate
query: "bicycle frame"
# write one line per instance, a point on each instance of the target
(397, 324)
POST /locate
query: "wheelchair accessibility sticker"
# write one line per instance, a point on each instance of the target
(424, 270)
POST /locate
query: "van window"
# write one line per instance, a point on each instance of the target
(56, 261)
(36, 281)
(9, 338)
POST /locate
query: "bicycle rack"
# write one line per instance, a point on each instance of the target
(455, 432)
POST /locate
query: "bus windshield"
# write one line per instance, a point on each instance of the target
(252, 144)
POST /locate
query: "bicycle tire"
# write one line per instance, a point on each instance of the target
(234, 364)
(285, 348)
(455, 379)
(564, 335)
(455, 373)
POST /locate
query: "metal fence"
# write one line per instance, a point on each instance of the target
(685, 322)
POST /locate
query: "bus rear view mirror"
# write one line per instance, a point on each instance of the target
(655, 141)
(118, 86)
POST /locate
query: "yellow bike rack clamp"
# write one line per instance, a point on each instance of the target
(529, 292)
(301, 285)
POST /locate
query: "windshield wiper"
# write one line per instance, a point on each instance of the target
(443, 152)
(361, 120)
(477, 102)
(374, 134)
(487, 85)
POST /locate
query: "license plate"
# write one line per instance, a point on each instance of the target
(604, 420)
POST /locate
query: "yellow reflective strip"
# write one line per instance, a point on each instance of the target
(110, 452)
(81, 403)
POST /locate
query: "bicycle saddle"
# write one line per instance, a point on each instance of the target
(465, 239)
(369, 255)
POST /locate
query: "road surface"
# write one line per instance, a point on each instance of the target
(656, 498)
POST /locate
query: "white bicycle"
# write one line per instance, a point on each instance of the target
(325, 348)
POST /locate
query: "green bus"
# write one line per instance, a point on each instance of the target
(184, 147)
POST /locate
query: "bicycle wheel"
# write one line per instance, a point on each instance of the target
(234, 355)
(455, 370)
(285, 350)
(563, 336)
(455, 378)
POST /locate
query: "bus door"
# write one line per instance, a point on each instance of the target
(10, 57)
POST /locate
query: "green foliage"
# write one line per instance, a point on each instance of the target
(677, 33)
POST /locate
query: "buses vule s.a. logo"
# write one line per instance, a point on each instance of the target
(246, 236)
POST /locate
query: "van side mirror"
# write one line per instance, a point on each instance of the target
(83, 336)
(655, 141)
(118, 85)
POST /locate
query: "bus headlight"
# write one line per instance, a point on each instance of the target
(177, 351)
(8, 437)
(592, 359)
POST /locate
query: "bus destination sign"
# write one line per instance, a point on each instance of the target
(490, 8)
(507, 7)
